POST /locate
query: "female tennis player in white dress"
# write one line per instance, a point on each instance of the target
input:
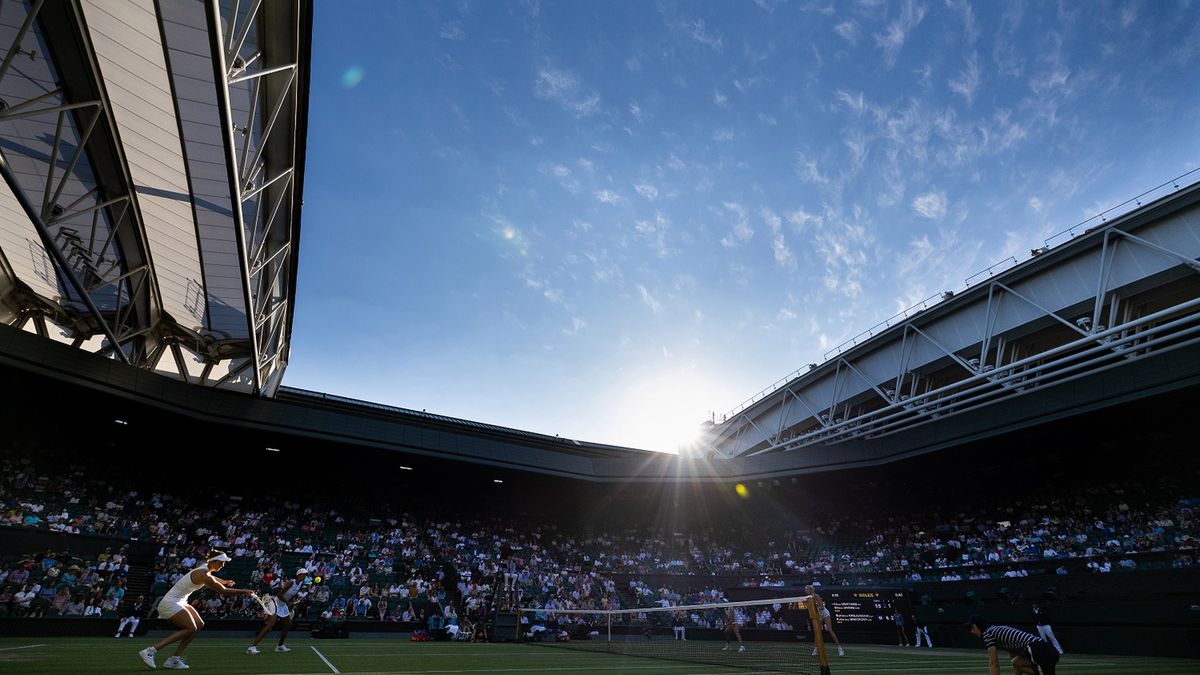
(174, 607)
(826, 619)
(285, 597)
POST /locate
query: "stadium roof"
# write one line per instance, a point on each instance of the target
(153, 161)
(432, 420)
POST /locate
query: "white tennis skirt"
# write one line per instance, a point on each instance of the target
(168, 608)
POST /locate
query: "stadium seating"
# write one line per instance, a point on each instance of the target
(419, 563)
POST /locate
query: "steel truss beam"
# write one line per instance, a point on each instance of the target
(988, 379)
(259, 174)
(92, 261)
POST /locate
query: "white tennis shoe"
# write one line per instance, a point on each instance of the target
(252, 650)
(175, 663)
(147, 655)
(282, 648)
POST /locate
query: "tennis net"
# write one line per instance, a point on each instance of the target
(774, 635)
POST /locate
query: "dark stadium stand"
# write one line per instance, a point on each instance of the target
(1098, 489)
(424, 545)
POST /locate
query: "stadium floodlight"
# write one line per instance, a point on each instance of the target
(405, 468)
(272, 449)
(121, 422)
(497, 480)
(1084, 323)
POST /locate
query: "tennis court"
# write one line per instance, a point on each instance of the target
(374, 657)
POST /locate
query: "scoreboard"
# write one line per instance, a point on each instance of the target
(866, 609)
(860, 609)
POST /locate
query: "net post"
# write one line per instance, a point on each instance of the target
(818, 626)
(517, 630)
(608, 618)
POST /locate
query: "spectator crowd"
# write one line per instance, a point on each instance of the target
(440, 569)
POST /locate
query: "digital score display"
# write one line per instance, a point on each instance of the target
(866, 610)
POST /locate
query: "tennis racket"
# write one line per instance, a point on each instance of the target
(268, 603)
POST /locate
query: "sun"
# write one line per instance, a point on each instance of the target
(664, 411)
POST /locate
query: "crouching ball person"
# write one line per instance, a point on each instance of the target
(1028, 653)
(174, 607)
(286, 597)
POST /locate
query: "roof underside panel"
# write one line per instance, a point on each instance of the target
(190, 54)
(66, 196)
(130, 54)
(23, 249)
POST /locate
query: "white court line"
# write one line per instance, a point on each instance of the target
(9, 649)
(349, 651)
(331, 666)
(624, 669)
(928, 668)
(589, 668)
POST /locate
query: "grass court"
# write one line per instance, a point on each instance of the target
(55, 656)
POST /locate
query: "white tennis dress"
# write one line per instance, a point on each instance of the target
(281, 608)
(176, 598)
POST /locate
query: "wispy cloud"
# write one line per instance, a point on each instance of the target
(848, 31)
(844, 246)
(807, 170)
(561, 174)
(608, 197)
(696, 30)
(892, 39)
(648, 300)
(970, 27)
(649, 192)
(782, 254)
(654, 234)
(577, 325)
(772, 219)
(563, 88)
(785, 314)
(452, 30)
(779, 248)
(534, 282)
(930, 205)
(968, 80)
(855, 102)
(723, 135)
(740, 230)
(800, 219)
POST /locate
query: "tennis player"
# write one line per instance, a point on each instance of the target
(174, 607)
(733, 628)
(284, 599)
(826, 619)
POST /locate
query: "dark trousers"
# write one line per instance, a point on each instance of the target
(1044, 657)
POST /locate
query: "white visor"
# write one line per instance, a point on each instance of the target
(222, 558)
(301, 571)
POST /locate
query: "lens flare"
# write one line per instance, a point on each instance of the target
(352, 76)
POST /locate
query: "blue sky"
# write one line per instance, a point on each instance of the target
(605, 220)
